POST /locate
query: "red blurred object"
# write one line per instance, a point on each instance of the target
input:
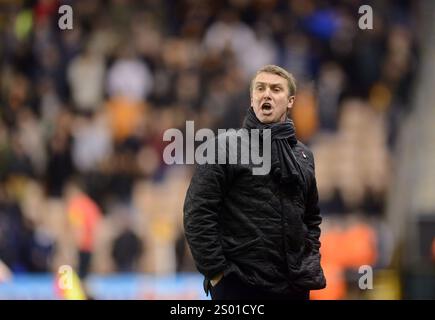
(85, 216)
(45, 9)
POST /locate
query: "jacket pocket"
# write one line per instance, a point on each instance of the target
(312, 276)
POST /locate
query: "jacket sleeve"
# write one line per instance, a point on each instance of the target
(201, 218)
(312, 217)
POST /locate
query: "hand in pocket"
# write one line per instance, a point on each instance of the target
(216, 279)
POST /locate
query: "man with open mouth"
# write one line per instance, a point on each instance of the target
(257, 236)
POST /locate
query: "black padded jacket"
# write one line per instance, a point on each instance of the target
(265, 232)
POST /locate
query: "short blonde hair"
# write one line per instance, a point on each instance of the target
(270, 68)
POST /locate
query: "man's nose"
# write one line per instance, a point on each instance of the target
(267, 92)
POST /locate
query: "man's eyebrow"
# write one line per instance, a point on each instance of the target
(271, 84)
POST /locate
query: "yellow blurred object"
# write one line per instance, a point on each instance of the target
(386, 286)
(380, 97)
(16, 185)
(163, 229)
(68, 285)
(23, 24)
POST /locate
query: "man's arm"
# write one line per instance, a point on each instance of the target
(312, 217)
(201, 222)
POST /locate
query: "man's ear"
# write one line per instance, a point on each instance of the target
(291, 101)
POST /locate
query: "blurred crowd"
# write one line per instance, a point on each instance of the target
(83, 111)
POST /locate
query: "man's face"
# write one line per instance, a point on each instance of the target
(270, 98)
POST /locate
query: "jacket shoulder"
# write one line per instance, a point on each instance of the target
(305, 151)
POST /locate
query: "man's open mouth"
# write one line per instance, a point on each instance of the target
(266, 106)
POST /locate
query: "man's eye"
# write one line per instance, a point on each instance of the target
(260, 88)
(277, 89)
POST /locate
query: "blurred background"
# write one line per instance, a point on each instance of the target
(83, 111)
